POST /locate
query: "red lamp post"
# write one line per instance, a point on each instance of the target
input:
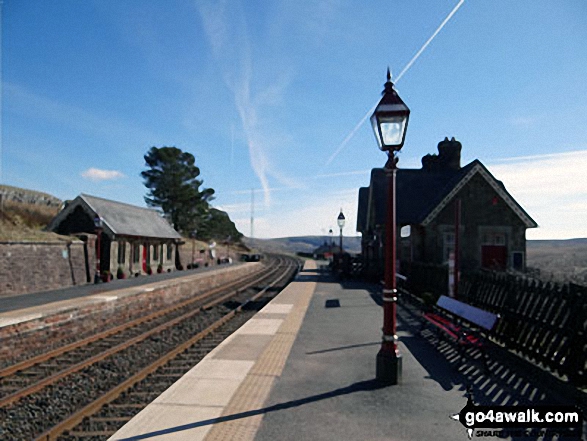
(390, 121)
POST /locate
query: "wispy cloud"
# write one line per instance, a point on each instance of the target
(316, 215)
(347, 173)
(552, 188)
(96, 174)
(226, 28)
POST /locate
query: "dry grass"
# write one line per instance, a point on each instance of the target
(25, 222)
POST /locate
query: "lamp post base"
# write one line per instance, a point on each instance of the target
(389, 368)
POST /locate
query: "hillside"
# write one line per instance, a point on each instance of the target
(559, 260)
(24, 213)
(301, 244)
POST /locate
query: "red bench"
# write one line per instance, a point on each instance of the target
(458, 321)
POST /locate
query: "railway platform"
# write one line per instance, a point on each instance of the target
(302, 370)
(13, 304)
(29, 319)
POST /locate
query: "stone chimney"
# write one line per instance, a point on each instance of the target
(448, 158)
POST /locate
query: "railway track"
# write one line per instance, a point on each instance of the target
(45, 396)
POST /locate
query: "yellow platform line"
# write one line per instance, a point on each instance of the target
(253, 392)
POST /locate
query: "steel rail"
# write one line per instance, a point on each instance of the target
(73, 420)
(37, 386)
(10, 370)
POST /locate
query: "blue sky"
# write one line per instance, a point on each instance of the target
(264, 93)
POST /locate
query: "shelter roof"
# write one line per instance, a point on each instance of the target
(121, 219)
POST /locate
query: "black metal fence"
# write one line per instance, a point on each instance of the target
(544, 322)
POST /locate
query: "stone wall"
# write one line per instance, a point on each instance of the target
(67, 323)
(27, 267)
(482, 211)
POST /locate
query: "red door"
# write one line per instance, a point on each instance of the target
(494, 257)
(145, 258)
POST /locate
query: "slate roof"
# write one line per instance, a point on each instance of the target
(121, 219)
(419, 192)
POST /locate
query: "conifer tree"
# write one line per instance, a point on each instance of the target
(172, 180)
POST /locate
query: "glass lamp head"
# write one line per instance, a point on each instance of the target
(340, 220)
(390, 119)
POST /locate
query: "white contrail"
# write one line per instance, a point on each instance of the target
(405, 69)
(350, 135)
(413, 60)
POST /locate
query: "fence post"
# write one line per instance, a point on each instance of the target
(574, 365)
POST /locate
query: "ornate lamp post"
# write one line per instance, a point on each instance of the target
(98, 228)
(340, 221)
(390, 121)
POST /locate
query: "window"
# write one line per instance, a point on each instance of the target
(518, 260)
(136, 253)
(493, 239)
(121, 253)
(499, 239)
(405, 231)
(169, 251)
(155, 253)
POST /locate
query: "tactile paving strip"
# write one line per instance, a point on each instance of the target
(244, 413)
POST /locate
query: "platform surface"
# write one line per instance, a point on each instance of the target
(27, 307)
(300, 370)
(328, 392)
(39, 299)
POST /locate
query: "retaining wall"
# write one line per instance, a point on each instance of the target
(27, 267)
(70, 320)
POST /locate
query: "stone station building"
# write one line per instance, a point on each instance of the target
(492, 225)
(133, 240)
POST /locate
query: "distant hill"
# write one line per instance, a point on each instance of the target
(24, 196)
(560, 243)
(24, 213)
(301, 244)
(559, 260)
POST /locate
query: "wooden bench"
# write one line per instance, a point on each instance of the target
(457, 320)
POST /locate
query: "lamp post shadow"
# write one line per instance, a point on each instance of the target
(361, 386)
